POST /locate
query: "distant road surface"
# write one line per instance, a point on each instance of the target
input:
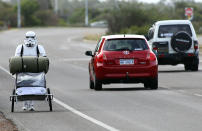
(175, 106)
(200, 39)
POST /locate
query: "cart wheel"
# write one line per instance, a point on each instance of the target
(49, 99)
(13, 100)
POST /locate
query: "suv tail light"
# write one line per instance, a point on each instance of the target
(160, 45)
(195, 45)
(154, 46)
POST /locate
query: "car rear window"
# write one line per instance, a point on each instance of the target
(125, 44)
(170, 30)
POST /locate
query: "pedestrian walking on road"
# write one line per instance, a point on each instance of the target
(30, 48)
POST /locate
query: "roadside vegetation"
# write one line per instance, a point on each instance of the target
(122, 16)
(93, 37)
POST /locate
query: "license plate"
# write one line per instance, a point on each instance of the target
(126, 61)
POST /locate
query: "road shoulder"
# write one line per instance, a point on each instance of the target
(6, 124)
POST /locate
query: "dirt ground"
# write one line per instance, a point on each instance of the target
(6, 125)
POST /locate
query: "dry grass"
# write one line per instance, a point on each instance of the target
(93, 37)
(200, 47)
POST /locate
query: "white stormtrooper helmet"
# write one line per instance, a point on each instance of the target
(30, 40)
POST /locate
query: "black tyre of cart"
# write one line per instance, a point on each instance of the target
(13, 101)
(49, 99)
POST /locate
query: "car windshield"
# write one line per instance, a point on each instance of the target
(125, 44)
(170, 30)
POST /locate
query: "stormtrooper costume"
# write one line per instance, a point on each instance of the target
(30, 48)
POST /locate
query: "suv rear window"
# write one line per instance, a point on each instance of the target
(170, 30)
(125, 44)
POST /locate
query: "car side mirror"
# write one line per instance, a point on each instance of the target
(89, 53)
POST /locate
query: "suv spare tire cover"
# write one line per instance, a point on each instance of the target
(181, 41)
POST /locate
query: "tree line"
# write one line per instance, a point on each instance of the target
(122, 16)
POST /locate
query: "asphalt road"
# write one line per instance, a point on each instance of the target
(175, 106)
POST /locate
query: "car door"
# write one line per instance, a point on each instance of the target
(93, 59)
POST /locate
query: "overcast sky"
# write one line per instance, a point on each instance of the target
(155, 1)
(147, 1)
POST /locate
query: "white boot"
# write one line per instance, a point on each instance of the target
(25, 106)
(31, 106)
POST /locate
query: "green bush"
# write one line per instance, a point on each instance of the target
(62, 22)
(7, 14)
(1, 23)
(46, 18)
(142, 30)
(78, 16)
(129, 15)
(28, 8)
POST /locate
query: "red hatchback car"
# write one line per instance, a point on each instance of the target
(123, 59)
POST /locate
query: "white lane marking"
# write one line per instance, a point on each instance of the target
(85, 116)
(110, 128)
(5, 70)
(198, 95)
(2, 68)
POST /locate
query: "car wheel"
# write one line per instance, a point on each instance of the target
(194, 66)
(97, 84)
(187, 67)
(154, 83)
(146, 85)
(91, 84)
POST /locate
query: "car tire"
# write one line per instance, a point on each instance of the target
(195, 64)
(146, 85)
(194, 68)
(91, 84)
(97, 84)
(154, 83)
(187, 67)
